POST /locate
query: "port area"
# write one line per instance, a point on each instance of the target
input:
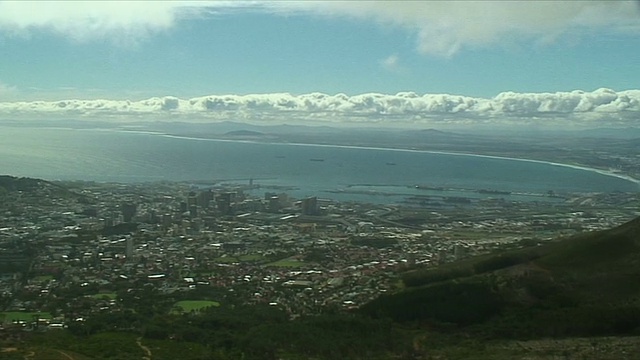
(421, 195)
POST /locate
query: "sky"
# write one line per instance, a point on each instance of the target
(371, 60)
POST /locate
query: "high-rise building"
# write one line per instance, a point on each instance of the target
(459, 251)
(192, 199)
(167, 220)
(128, 211)
(274, 203)
(310, 206)
(225, 202)
(205, 198)
(129, 248)
(193, 211)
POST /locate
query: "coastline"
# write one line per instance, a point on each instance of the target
(577, 167)
(397, 149)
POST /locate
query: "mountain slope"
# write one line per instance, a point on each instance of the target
(588, 285)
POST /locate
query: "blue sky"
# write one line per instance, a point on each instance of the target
(309, 47)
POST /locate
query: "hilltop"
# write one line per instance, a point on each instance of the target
(12, 183)
(30, 189)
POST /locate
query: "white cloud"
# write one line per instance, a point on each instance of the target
(441, 27)
(602, 106)
(120, 21)
(6, 91)
(445, 27)
(392, 64)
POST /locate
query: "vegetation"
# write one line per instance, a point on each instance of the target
(193, 305)
(108, 296)
(582, 292)
(580, 286)
(225, 332)
(291, 263)
(23, 316)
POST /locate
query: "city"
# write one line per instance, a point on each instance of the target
(74, 250)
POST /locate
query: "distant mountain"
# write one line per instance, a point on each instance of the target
(585, 285)
(244, 133)
(615, 133)
(432, 131)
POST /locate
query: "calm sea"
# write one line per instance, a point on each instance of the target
(102, 155)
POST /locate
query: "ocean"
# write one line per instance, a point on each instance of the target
(310, 170)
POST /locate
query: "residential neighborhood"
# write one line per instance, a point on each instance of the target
(76, 249)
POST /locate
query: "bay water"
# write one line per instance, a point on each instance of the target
(310, 170)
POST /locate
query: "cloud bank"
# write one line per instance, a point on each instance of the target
(441, 28)
(445, 27)
(87, 20)
(602, 107)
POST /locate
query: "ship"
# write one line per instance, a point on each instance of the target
(427, 187)
(494, 192)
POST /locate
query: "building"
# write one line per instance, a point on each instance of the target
(129, 248)
(225, 202)
(205, 198)
(128, 211)
(310, 206)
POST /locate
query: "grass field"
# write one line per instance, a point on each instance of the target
(226, 259)
(287, 263)
(22, 315)
(109, 296)
(195, 305)
(235, 259)
(251, 257)
(40, 353)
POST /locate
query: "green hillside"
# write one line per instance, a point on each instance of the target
(586, 285)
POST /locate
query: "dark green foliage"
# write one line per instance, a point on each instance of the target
(424, 277)
(470, 267)
(264, 332)
(114, 321)
(579, 321)
(11, 183)
(332, 337)
(116, 346)
(582, 286)
(502, 261)
(462, 303)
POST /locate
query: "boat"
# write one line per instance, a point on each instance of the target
(494, 192)
(426, 187)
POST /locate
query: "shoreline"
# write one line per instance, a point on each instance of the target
(357, 147)
(545, 162)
